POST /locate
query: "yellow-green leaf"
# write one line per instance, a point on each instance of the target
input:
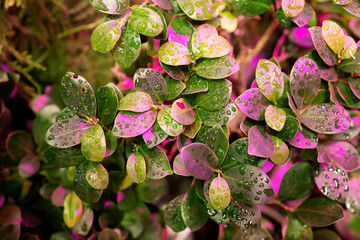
(73, 210)
(174, 54)
(350, 48)
(275, 117)
(215, 46)
(93, 144)
(219, 193)
(136, 167)
(281, 151)
(334, 36)
(97, 176)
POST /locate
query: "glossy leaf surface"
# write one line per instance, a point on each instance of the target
(136, 167)
(281, 151)
(157, 163)
(216, 97)
(136, 102)
(217, 68)
(182, 112)
(172, 214)
(199, 37)
(167, 123)
(110, 7)
(322, 48)
(107, 103)
(275, 117)
(292, 8)
(304, 138)
(174, 54)
(260, 142)
(197, 9)
(97, 176)
(179, 166)
(220, 117)
(215, 46)
(196, 84)
(81, 186)
(175, 87)
(154, 136)
(252, 103)
(93, 144)
(344, 154)
(219, 193)
(250, 7)
(333, 36)
(305, 16)
(105, 36)
(146, 21)
(64, 157)
(73, 209)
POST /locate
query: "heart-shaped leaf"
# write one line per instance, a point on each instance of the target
(172, 214)
(304, 81)
(179, 166)
(199, 36)
(353, 7)
(351, 65)
(252, 103)
(350, 48)
(304, 16)
(260, 142)
(333, 35)
(136, 167)
(28, 166)
(182, 112)
(281, 152)
(200, 10)
(128, 48)
(78, 95)
(304, 138)
(93, 144)
(216, 97)
(174, 54)
(215, 46)
(219, 193)
(105, 36)
(196, 84)
(175, 87)
(128, 124)
(73, 210)
(192, 129)
(66, 133)
(332, 180)
(199, 160)
(180, 31)
(81, 186)
(152, 82)
(107, 103)
(136, 102)
(321, 47)
(249, 184)
(275, 117)
(63, 157)
(167, 123)
(292, 8)
(220, 117)
(344, 154)
(154, 136)
(111, 7)
(297, 182)
(157, 163)
(326, 118)
(269, 80)
(97, 176)
(19, 144)
(146, 21)
(217, 68)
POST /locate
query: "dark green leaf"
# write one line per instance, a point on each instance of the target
(151, 191)
(81, 186)
(175, 87)
(250, 7)
(296, 229)
(157, 163)
(64, 157)
(146, 21)
(107, 103)
(172, 214)
(217, 95)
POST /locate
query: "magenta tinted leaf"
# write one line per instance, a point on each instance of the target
(19, 144)
(353, 7)
(29, 165)
(260, 142)
(192, 129)
(168, 124)
(175, 72)
(304, 138)
(324, 51)
(154, 136)
(85, 223)
(66, 133)
(10, 213)
(220, 117)
(252, 103)
(179, 166)
(326, 118)
(165, 4)
(332, 180)
(157, 163)
(136, 102)
(304, 81)
(197, 10)
(136, 167)
(182, 112)
(355, 86)
(344, 154)
(304, 16)
(329, 74)
(180, 31)
(219, 193)
(199, 160)
(58, 196)
(199, 37)
(292, 8)
(249, 184)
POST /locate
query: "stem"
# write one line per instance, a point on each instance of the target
(221, 235)
(78, 29)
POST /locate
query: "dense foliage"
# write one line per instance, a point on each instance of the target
(179, 137)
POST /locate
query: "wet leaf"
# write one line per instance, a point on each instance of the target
(107, 103)
(67, 157)
(66, 133)
(346, 96)
(165, 4)
(284, 20)
(179, 166)
(78, 95)
(281, 151)
(175, 87)
(269, 80)
(81, 186)
(197, 9)
(193, 210)
(332, 181)
(152, 82)
(215, 46)
(252, 103)
(292, 8)
(111, 7)
(353, 7)
(73, 210)
(228, 22)
(250, 7)
(297, 182)
(333, 35)
(164, 33)
(296, 229)
(180, 31)
(260, 142)
(129, 124)
(329, 74)
(174, 54)
(97, 176)
(319, 212)
(153, 46)
(176, 9)
(154, 136)
(157, 163)
(84, 225)
(351, 65)
(342, 2)
(199, 36)
(128, 48)
(93, 144)
(66, 113)
(105, 36)
(136, 167)
(111, 144)
(249, 184)
(354, 84)
(216, 97)
(119, 94)
(152, 191)
(349, 49)
(199, 160)
(167, 123)
(219, 193)
(182, 112)
(244, 216)
(28, 166)
(304, 81)
(192, 129)
(321, 47)
(136, 102)
(304, 16)
(146, 21)
(326, 118)
(289, 130)
(175, 72)
(275, 117)
(217, 68)
(172, 214)
(196, 84)
(19, 144)
(304, 138)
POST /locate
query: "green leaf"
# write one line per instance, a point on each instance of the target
(220, 117)
(275, 117)
(326, 234)
(136, 102)
(196, 84)
(182, 112)
(146, 21)
(351, 65)
(167, 123)
(217, 68)
(346, 93)
(289, 130)
(219, 193)
(281, 151)
(152, 82)
(128, 48)
(250, 7)
(134, 220)
(180, 31)
(269, 80)
(217, 95)
(284, 21)
(296, 229)
(164, 34)
(81, 186)
(319, 212)
(191, 130)
(111, 7)
(136, 167)
(179, 166)
(215, 46)
(66, 133)
(154, 136)
(297, 182)
(292, 8)
(172, 214)
(350, 48)
(107, 103)
(73, 210)
(197, 9)
(111, 144)
(19, 144)
(176, 72)
(193, 210)
(165, 4)
(78, 95)
(175, 87)
(93, 144)
(66, 113)
(174, 54)
(199, 37)
(105, 36)
(246, 217)
(151, 191)
(97, 176)
(249, 184)
(64, 157)
(157, 162)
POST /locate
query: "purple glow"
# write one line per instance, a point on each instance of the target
(175, 37)
(301, 37)
(277, 174)
(39, 102)
(267, 166)
(120, 196)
